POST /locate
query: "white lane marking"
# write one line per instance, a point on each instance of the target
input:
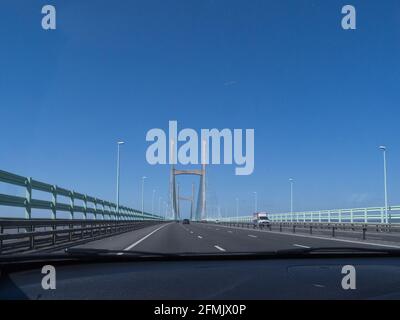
(301, 246)
(144, 238)
(324, 238)
(219, 248)
(217, 229)
(229, 231)
(252, 236)
(191, 231)
(200, 237)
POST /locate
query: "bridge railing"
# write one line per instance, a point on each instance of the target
(90, 208)
(373, 215)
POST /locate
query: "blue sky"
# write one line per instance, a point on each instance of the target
(320, 99)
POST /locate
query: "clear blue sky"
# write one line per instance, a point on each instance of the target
(320, 99)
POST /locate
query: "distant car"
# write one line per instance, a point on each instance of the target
(186, 221)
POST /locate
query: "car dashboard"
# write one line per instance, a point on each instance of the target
(376, 278)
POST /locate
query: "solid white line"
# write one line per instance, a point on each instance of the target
(253, 236)
(301, 246)
(144, 238)
(200, 237)
(219, 248)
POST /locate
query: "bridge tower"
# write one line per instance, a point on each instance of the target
(174, 190)
(200, 212)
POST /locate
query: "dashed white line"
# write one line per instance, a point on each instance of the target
(229, 231)
(144, 238)
(200, 237)
(191, 231)
(301, 246)
(219, 248)
(324, 238)
(252, 236)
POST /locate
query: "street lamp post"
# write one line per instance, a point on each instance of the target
(119, 143)
(152, 201)
(255, 202)
(159, 206)
(143, 178)
(383, 148)
(237, 209)
(291, 197)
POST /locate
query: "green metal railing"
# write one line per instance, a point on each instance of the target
(373, 215)
(92, 208)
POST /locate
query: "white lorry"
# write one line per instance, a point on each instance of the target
(260, 220)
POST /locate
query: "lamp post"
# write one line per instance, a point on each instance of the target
(143, 178)
(119, 143)
(383, 148)
(291, 180)
(237, 209)
(152, 201)
(159, 205)
(255, 201)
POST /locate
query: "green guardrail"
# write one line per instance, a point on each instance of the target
(92, 206)
(374, 215)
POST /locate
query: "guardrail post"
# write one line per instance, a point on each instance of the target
(102, 210)
(310, 229)
(333, 231)
(1, 240)
(280, 227)
(364, 232)
(32, 238)
(294, 228)
(54, 202)
(95, 208)
(54, 212)
(85, 206)
(72, 204)
(28, 201)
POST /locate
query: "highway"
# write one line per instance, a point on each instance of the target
(175, 237)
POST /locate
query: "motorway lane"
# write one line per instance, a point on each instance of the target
(120, 241)
(209, 238)
(276, 240)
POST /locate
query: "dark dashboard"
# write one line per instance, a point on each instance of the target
(375, 278)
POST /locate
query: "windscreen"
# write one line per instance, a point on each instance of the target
(164, 126)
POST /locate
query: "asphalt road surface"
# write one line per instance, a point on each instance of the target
(175, 237)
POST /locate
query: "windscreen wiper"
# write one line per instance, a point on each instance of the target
(88, 252)
(80, 254)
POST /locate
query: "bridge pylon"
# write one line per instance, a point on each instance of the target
(200, 212)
